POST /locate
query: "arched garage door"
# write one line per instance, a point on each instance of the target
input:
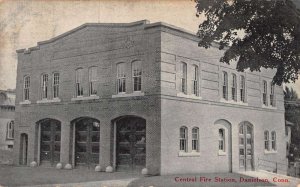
(130, 143)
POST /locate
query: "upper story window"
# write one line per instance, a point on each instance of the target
(44, 86)
(183, 77)
(272, 95)
(10, 130)
(273, 138)
(242, 89)
(92, 81)
(26, 88)
(195, 139)
(121, 77)
(79, 80)
(266, 138)
(265, 91)
(233, 88)
(137, 75)
(183, 139)
(225, 85)
(195, 79)
(55, 85)
(241, 129)
(222, 140)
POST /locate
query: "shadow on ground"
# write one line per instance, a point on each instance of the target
(174, 180)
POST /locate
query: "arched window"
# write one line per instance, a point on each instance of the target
(79, 80)
(183, 139)
(225, 86)
(195, 80)
(137, 75)
(242, 89)
(121, 78)
(92, 81)
(266, 135)
(222, 140)
(265, 92)
(195, 139)
(26, 88)
(183, 77)
(55, 85)
(10, 130)
(233, 88)
(272, 95)
(241, 129)
(273, 138)
(44, 86)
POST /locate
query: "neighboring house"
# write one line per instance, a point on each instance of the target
(7, 116)
(135, 96)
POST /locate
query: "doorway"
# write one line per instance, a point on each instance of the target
(50, 142)
(130, 143)
(87, 142)
(23, 149)
(245, 146)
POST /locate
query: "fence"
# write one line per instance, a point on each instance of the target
(294, 169)
(277, 167)
(271, 166)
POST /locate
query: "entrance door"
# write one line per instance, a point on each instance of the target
(50, 142)
(246, 146)
(87, 142)
(131, 143)
(23, 149)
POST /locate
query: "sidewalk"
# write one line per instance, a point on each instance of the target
(14, 176)
(50, 177)
(274, 178)
(108, 183)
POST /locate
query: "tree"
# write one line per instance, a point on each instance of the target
(290, 94)
(292, 113)
(256, 33)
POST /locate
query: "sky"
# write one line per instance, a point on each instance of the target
(23, 23)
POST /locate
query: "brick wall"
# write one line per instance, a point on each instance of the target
(160, 48)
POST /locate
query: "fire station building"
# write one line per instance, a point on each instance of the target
(143, 96)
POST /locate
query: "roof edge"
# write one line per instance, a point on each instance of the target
(181, 30)
(142, 22)
(147, 24)
(136, 23)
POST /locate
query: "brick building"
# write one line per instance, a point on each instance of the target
(140, 95)
(7, 116)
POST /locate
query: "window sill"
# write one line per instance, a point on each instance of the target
(188, 154)
(134, 94)
(180, 94)
(222, 153)
(55, 100)
(270, 152)
(25, 102)
(82, 98)
(233, 102)
(269, 107)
